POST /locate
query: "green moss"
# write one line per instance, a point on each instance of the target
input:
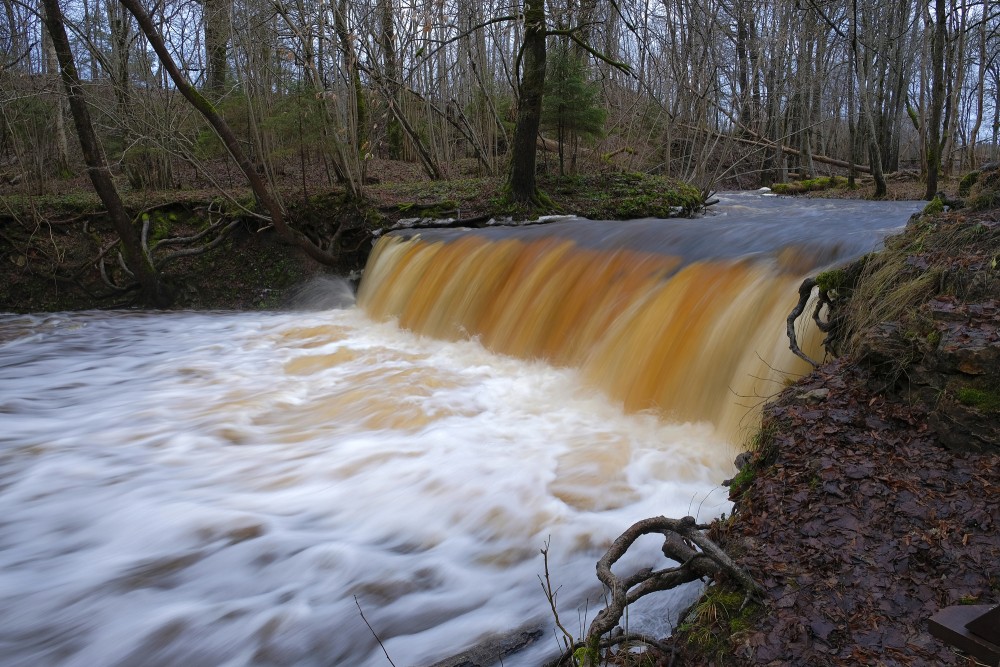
(965, 185)
(809, 185)
(70, 203)
(744, 478)
(985, 193)
(761, 447)
(984, 200)
(586, 655)
(200, 102)
(615, 196)
(981, 399)
(834, 279)
(934, 207)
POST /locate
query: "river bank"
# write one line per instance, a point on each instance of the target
(57, 250)
(872, 495)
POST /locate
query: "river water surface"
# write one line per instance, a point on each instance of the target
(229, 488)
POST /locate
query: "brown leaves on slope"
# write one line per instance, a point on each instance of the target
(861, 528)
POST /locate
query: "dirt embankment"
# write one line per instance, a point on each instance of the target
(872, 498)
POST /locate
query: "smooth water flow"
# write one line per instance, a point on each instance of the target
(228, 489)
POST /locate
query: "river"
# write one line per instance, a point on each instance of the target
(222, 488)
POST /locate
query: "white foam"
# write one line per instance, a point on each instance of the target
(213, 489)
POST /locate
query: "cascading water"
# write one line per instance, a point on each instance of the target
(684, 317)
(219, 488)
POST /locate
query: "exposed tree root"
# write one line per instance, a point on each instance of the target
(805, 291)
(684, 542)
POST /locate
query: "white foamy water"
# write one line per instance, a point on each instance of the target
(216, 488)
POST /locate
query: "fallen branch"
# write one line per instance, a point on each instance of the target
(374, 634)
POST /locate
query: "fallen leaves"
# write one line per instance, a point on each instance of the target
(862, 528)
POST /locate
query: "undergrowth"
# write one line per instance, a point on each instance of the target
(714, 626)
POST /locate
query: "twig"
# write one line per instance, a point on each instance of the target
(361, 611)
(550, 595)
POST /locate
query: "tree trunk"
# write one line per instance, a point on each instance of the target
(216, 20)
(874, 152)
(61, 167)
(937, 97)
(852, 129)
(390, 74)
(980, 89)
(529, 103)
(152, 291)
(954, 78)
(360, 106)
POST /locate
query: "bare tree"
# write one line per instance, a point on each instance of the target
(152, 291)
(325, 255)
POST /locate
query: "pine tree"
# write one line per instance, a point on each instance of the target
(570, 106)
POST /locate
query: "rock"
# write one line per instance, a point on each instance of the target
(493, 649)
(742, 460)
(814, 395)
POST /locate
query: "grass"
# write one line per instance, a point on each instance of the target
(761, 447)
(720, 618)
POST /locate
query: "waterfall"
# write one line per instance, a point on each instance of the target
(692, 341)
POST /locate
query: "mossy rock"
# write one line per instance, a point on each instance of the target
(934, 207)
(965, 185)
(809, 185)
(985, 192)
(986, 400)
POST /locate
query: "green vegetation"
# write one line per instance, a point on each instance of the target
(834, 279)
(717, 621)
(760, 446)
(620, 196)
(985, 400)
(934, 207)
(809, 185)
(570, 106)
(616, 196)
(965, 185)
(985, 192)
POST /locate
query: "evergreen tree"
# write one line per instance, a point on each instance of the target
(570, 106)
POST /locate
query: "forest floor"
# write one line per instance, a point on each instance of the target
(51, 233)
